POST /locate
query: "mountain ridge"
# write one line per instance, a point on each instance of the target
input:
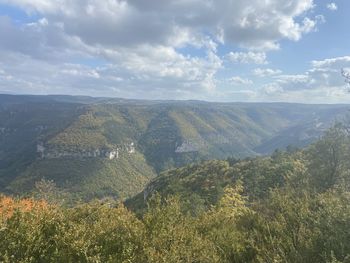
(165, 135)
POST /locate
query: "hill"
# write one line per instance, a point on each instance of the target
(98, 147)
(319, 167)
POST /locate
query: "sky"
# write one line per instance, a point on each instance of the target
(214, 50)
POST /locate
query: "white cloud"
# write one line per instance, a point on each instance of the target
(254, 24)
(332, 6)
(292, 79)
(156, 73)
(247, 57)
(80, 71)
(266, 72)
(272, 89)
(322, 83)
(237, 80)
(139, 43)
(331, 62)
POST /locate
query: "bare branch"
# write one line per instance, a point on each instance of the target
(346, 75)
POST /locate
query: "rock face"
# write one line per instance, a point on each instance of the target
(110, 153)
(40, 149)
(187, 146)
(130, 148)
(147, 191)
(113, 154)
(5, 130)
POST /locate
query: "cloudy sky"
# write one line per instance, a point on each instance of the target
(216, 50)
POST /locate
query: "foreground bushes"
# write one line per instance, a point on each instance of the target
(98, 233)
(289, 226)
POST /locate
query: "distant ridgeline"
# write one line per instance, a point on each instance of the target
(108, 152)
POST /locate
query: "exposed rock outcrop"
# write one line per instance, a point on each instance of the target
(47, 152)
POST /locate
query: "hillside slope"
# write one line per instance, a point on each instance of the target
(320, 166)
(98, 147)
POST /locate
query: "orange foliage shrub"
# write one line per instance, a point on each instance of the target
(8, 205)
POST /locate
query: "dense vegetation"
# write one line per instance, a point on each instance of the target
(90, 178)
(166, 134)
(322, 165)
(290, 207)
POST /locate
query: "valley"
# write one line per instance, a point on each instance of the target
(103, 147)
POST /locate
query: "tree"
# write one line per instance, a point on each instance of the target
(171, 236)
(48, 191)
(328, 158)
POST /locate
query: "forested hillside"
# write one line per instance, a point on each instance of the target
(122, 144)
(292, 206)
(322, 165)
